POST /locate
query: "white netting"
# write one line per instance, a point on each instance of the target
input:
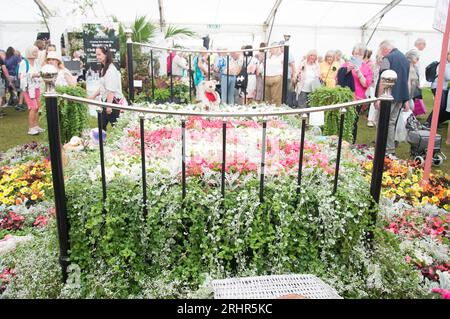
(270, 287)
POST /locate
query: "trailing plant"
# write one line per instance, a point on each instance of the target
(73, 116)
(329, 96)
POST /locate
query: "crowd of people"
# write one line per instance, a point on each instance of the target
(20, 79)
(243, 77)
(257, 76)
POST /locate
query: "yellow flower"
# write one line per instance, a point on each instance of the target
(24, 183)
(407, 181)
(397, 180)
(415, 178)
(400, 192)
(434, 199)
(447, 207)
(425, 200)
(34, 197)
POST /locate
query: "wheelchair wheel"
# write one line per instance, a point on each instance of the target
(419, 160)
(438, 160)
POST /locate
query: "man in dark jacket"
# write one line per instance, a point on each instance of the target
(394, 60)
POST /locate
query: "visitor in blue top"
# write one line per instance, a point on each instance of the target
(12, 61)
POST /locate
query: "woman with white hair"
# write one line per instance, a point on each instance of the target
(362, 78)
(328, 69)
(415, 93)
(308, 77)
(30, 83)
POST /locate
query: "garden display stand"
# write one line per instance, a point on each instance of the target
(272, 287)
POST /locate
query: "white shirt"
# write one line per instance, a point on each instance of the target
(310, 77)
(61, 78)
(111, 82)
(178, 65)
(27, 82)
(274, 65)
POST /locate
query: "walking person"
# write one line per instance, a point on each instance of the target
(12, 61)
(110, 90)
(5, 81)
(394, 60)
(30, 84)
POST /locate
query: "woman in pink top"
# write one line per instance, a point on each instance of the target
(361, 71)
(362, 76)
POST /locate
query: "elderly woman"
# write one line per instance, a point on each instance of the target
(328, 69)
(309, 78)
(30, 82)
(414, 78)
(362, 78)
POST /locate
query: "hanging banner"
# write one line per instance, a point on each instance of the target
(440, 15)
(98, 35)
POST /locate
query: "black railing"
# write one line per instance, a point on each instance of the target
(51, 97)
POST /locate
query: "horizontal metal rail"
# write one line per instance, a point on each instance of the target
(147, 110)
(154, 47)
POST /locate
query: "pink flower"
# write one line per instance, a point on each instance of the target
(408, 259)
(445, 293)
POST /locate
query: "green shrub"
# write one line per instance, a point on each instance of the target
(329, 96)
(73, 116)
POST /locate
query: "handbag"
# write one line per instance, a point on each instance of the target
(316, 84)
(419, 107)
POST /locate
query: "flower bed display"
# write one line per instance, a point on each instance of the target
(180, 246)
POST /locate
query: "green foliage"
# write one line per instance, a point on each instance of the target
(181, 242)
(173, 32)
(329, 96)
(38, 273)
(73, 116)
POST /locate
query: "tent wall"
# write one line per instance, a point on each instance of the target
(19, 35)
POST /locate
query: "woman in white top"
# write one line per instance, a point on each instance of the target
(110, 89)
(30, 83)
(309, 78)
(64, 77)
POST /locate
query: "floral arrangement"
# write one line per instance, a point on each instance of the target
(402, 181)
(181, 245)
(25, 183)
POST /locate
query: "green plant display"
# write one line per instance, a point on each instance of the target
(329, 96)
(73, 116)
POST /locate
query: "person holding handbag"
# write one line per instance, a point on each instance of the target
(328, 70)
(110, 89)
(415, 103)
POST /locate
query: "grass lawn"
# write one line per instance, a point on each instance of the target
(13, 132)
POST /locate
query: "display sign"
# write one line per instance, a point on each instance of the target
(440, 15)
(99, 35)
